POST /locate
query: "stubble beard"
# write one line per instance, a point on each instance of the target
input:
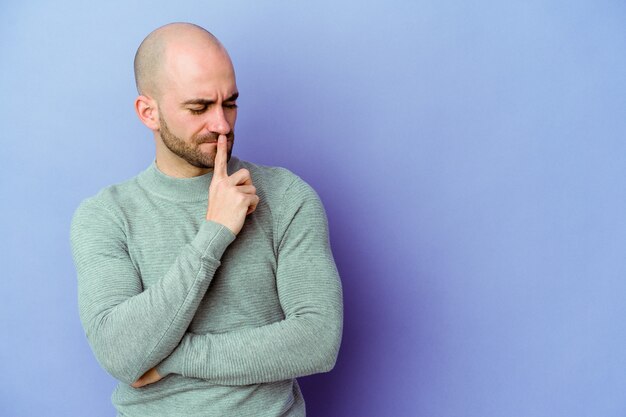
(191, 152)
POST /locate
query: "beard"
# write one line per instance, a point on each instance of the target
(191, 152)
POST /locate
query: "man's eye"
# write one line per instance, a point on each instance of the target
(198, 111)
(230, 105)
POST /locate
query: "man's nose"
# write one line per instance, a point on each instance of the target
(217, 121)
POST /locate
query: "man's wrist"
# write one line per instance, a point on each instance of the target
(212, 239)
(167, 366)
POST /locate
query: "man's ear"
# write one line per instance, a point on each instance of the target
(148, 112)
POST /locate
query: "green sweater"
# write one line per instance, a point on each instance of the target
(230, 321)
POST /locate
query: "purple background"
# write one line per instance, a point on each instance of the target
(470, 156)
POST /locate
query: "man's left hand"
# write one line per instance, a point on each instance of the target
(149, 377)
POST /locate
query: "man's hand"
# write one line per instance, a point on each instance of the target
(149, 377)
(231, 198)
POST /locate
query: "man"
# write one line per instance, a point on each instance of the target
(206, 283)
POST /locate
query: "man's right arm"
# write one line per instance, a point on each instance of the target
(131, 330)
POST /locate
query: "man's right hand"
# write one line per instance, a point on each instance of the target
(231, 198)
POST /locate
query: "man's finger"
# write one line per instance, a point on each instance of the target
(221, 156)
(253, 204)
(150, 377)
(241, 177)
(138, 384)
(247, 189)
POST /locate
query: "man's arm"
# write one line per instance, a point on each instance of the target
(307, 341)
(131, 330)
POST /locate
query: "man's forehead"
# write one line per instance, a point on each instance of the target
(199, 72)
(194, 53)
(195, 59)
(207, 87)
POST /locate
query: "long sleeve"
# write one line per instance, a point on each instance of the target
(130, 329)
(307, 341)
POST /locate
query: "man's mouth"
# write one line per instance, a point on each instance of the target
(214, 141)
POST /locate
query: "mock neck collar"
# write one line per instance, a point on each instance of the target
(180, 189)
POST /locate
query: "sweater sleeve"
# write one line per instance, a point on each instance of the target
(131, 330)
(307, 341)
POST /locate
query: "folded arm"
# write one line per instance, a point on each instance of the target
(307, 341)
(131, 330)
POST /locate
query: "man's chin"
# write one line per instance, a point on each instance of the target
(206, 159)
(204, 164)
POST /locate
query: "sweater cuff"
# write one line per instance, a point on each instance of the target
(170, 365)
(212, 239)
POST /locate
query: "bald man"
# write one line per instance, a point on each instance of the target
(206, 283)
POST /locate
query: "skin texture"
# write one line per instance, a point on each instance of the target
(187, 97)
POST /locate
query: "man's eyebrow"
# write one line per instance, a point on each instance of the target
(205, 102)
(233, 97)
(199, 101)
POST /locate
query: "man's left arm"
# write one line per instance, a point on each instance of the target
(309, 289)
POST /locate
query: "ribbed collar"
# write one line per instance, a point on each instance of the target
(180, 189)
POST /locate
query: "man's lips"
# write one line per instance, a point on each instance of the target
(214, 141)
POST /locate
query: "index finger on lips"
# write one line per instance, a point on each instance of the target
(219, 168)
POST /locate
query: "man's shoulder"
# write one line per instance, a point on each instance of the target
(111, 197)
(275, 180)
(281, 188)
(268, 173)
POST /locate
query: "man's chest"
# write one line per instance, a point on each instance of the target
(243, 289)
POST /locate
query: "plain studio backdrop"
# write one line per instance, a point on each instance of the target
(470, 156)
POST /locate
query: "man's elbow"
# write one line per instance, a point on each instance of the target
(120, 367)
(118, 370)
(329, 346)
(327, 364)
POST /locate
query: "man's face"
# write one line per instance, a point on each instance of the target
(197, 104)
(194, 149)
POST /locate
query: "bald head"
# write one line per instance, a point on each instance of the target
(155, 50)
